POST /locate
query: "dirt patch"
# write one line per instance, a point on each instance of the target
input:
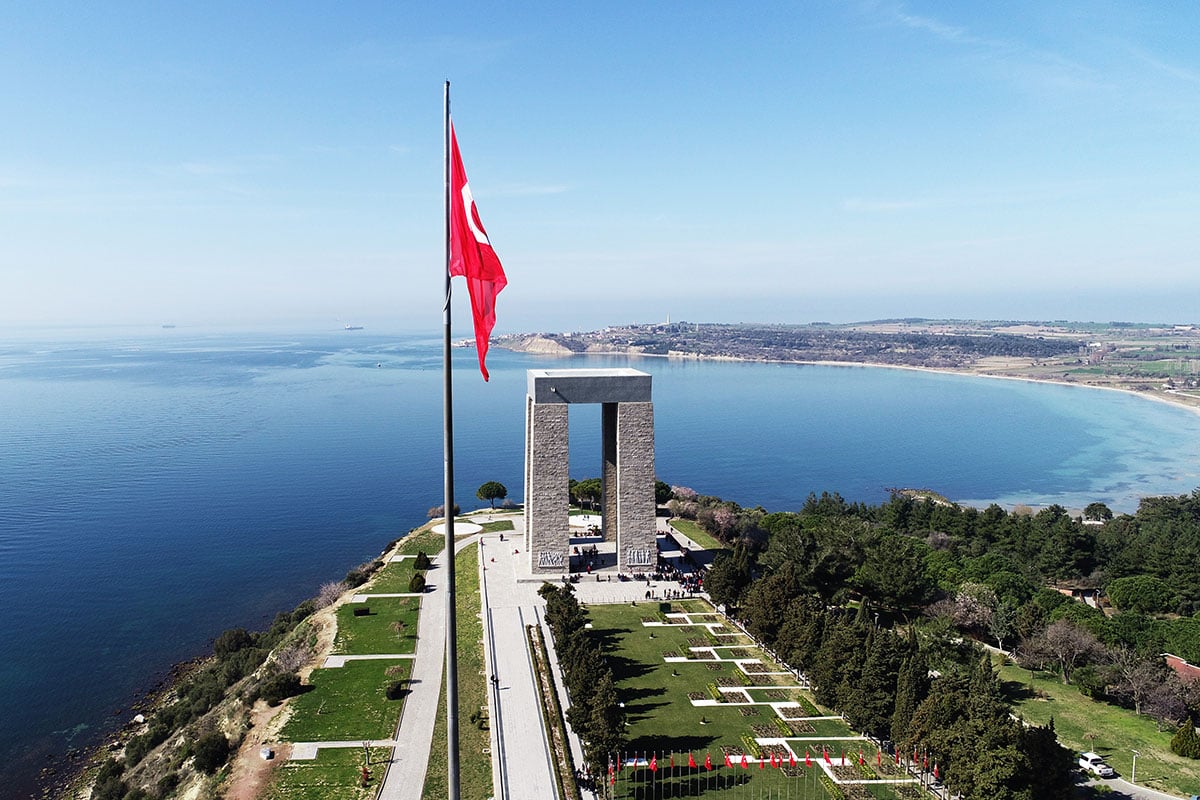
(251, 773)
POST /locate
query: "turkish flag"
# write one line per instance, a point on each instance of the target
(471, 254)
(860, 758)
(807, 760)
(691, 761)
(825, 753)
(708, 760)
(654, 763)
(762, 764)
(728, 763)
(745, 763)
(791, 759)
(672, 761)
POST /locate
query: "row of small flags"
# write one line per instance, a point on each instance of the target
(775, 760)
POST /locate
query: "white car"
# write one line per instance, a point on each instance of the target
(1091, 762)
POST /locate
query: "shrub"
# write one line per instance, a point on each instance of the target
(362, 611)
(231, 641)
(211, 752)
(396, 690)
(279, 687)
(417, 584)
(1185, 742)
(422, 561)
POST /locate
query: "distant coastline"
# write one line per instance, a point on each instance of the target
(1088, 355)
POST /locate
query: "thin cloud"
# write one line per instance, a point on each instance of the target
(1036, 67)
(1180, 73)
(867, 205)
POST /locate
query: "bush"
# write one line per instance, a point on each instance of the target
(1185, 742)
(231, 641)
(362, 611)
(211, 752)
(422, 561)
(396, 690)
(417, 584)
(279, 687)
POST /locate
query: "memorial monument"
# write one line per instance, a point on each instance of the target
(627, 469)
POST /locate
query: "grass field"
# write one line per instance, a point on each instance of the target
(697, 534)
(335, 774)
(391, 627)
(663, 721)
(348, 702)
(1086, 724)
(392, 578)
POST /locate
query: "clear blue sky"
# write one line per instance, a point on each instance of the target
(231, 163)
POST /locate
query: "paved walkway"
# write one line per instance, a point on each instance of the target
(522, 767)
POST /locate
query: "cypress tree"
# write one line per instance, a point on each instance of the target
(912, 687)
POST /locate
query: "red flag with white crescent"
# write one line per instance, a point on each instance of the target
(728, 763)
(745, 763)
(791, 759)
(807, 759)
(471, 254)
(691, 761)
(708, 760)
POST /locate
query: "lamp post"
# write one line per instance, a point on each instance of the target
(1133, 772)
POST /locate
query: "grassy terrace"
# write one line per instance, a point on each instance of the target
(663, 720)
(1116, 731)
(390, 627)
(348, 703)
(351, 702)
(333, 775)
(697, 534)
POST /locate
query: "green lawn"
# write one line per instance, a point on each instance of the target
(347, 703)
(663, 721)
(697, 534)
(1117, 731)
(391, 627)
(475, 766)
(392, 578)
(335, 774)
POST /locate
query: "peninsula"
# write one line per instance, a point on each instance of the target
(1158, 360)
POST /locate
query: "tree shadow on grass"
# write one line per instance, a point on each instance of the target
(1015, 691)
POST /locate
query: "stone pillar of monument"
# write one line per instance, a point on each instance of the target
(547, 535)
(608, 471)
(637, 549)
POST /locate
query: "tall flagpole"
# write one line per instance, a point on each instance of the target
(448, 449)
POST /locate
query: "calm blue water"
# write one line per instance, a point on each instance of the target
(158, 489)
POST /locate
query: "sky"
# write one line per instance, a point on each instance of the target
(238, 164)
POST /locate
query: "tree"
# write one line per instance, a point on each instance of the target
(1097, 512)
(211, 751)
(728, 577)
(893, 573)
(440, 511)
(1144, 594)
(1069, 645)
(662, 492)
(589, 491)
(1185, 742)
(1138, 675)
(492, 491)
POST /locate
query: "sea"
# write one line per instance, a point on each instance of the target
(158, 486)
